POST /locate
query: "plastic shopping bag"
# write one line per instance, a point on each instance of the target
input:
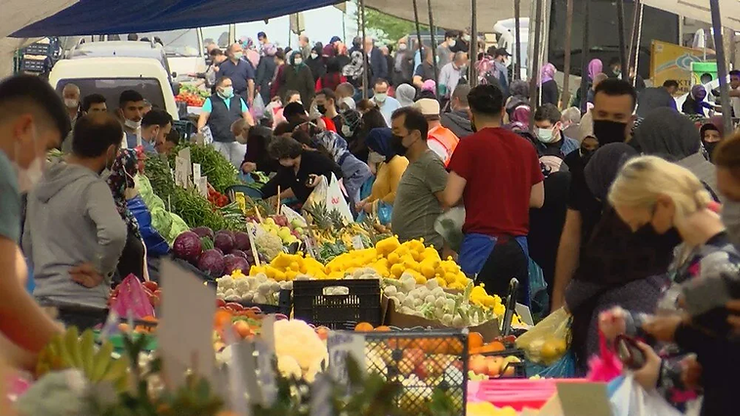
(606, 366)
(335, 200)
(258, 108)
(630, 399)
(565, 367)
(132, 299)
(449, 226)
(539, 300)
(548, 341)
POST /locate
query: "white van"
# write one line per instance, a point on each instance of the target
(111, 76)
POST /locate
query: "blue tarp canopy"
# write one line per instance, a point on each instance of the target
(99, 17)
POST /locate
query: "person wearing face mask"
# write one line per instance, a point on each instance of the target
(33, 120)
(444, 50)
(420, 193)
(219, 112)
(297, 76)
(387, 105)
(130, 111)
(727, 159)
(614, 104)
(72, 226)
(155, 126)
(690, 317)
(551, 141)
(350, 124)
(316, 63)
(451, 74)
(241, 72)
(695, 104)
(299, 170)
(71, 97)
(327, 107)
(495, 174)
(387, 166)
(711, 135)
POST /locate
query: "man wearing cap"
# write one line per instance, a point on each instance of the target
(440, 139)
(501, 72)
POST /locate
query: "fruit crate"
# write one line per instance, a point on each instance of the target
(520, 368)
(283, 306)
(315, 302)
(422, 361)
(38, 48)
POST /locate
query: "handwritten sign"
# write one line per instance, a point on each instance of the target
(181, 172)
(341, 346)
(202, 185)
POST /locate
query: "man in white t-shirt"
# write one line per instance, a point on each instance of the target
(735, 91)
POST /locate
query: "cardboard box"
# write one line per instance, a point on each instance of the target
(489, 330)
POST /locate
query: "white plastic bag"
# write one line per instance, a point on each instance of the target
(449, 225)
(335, 199)
(630, 399)
(258, 107)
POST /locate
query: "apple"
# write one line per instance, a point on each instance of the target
(478, 364)
(422, 371)
(416, 355)
(511, 369)
(493, 365)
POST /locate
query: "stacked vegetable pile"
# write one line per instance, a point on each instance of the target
(214, 254)
(191, 95)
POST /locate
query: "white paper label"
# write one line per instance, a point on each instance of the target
(342, 345)
(202, 185)
(357, 243)
(181, 172)
(196, 172)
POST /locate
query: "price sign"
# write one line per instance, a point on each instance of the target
(341, 346)
(196, 172)
(202, 185)
(181, 172)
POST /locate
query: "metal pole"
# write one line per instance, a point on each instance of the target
(434, 49)
(633, 34)
(637, 42)
(622, 52)
(473, 78)
(724, 92)
(566, 64)
(365, 79)
(518, 35)
(535, 64)
(418, 32)
(584, 55)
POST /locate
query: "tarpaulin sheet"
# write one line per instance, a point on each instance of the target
(699, 10)
(98, 17)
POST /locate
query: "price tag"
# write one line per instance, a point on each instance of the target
(181, 172)
(202, 185)
(196, 172)
(341, 346)
(357, 243)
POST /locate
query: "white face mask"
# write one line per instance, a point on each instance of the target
(298, 61)
(314, 55)
(30, 176)
(71, 103)
(452, 43)
(546, 135)
(132, 124)
(731, 218)
(375, 157)
(402, 47)
(380, 97)
(346, 131)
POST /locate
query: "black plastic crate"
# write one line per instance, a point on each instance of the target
(422, 361)
(38, 49)
(34, 65)
(313, 304)
(520, 368)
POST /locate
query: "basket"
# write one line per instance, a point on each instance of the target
(313, 303)
(520, 368)
(422, 361)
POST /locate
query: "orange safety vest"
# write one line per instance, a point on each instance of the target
(446, 138)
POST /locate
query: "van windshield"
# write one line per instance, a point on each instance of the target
(182, 42)
(111, 89)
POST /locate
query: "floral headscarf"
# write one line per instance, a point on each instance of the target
(122, 173)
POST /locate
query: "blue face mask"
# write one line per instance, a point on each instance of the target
(227, 92)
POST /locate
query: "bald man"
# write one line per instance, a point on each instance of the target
(71, 97)
(378, 63)
(305, 45)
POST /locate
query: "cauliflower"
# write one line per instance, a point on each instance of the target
(289, 367)
(269, 245)
(296, 339)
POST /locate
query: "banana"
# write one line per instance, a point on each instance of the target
(101, 362)
(66, 359)
(117, 370)
(87, 351)
(72, 343)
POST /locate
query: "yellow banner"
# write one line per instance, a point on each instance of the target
(670, 61)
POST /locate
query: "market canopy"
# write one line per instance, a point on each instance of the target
(20, 13)
(452, 14)
(699, 10)
(97, 17)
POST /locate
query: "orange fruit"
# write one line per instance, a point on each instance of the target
(383, 328)
(221, 318)
(242, 328)
(364, 327)
(475, 340)
(124, 328)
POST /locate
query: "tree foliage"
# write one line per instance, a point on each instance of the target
(386, 28)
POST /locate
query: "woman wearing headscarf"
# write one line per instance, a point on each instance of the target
(711, 134)
(316, 63)
(548, 86)
(251, 52)
(595, 66)
(519, 96)
(616, 266)
(695, 103)
(266, 71)
(120, 181)
(520, 118)
(297, 76)
(333, 76)
(670, 135)
(389, 168)
(405, 95)
(372, 119)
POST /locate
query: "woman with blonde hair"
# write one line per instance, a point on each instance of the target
(691, 316)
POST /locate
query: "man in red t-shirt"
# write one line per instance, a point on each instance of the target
(496, 175)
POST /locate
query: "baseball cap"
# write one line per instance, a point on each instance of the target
(501, 52)
(428, 106)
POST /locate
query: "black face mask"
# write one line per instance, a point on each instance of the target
(670, 238)
(710, 148)
(607, 131)
(321, 108)
(397, 145)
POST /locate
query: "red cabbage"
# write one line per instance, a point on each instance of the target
(235, 262)
(241, 240)
(224, 242)
(239, 253)
(212, 263)
(187, 246)
(203, 232)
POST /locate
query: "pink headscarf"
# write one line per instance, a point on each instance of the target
(429, 85)
(521, 115)
(594, 67)
(547, 73)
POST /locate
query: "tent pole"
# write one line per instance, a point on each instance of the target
(434, 49)
(566, 64)
(535, 64)
(518, 46)
(620, 30)
(418, 32)
(365, 78)
(721, 64)
(472, 77)
(585, 48)
(633, 33)
(638, 40)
